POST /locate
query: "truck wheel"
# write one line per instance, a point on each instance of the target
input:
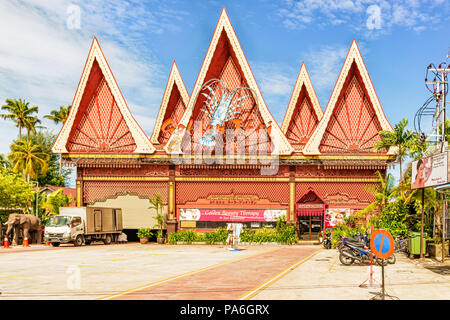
(78, 241)
(108, 239)
(55, 244)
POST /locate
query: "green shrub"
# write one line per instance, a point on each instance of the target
(144, 233)
(285, 234)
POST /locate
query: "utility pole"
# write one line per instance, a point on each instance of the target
(439, 89)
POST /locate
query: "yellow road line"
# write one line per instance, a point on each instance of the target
(249, 294)
(15, 276)
(332, 265)
(183, 275)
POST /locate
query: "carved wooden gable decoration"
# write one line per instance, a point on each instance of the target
(303, 112)
(173, 105)
(225, 62)
(353, 117)
(99, 120)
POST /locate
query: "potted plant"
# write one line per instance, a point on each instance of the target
(157, 204)
(143, 235)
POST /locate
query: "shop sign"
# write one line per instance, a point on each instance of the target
(268, 215)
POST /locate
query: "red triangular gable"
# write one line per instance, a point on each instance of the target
(172, 108)
(353, 117)
(99, 120)
(303, 112)
(225, 61)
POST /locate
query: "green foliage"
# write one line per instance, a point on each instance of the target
(157, 204)
(15, 193)
(144, 233)
(284, 235)
(19, 112)
(218, 235)
(49, 204)
(348, 228)
(55, 176)
(28, 158)
(186, 236)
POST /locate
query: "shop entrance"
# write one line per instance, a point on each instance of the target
(309, 215)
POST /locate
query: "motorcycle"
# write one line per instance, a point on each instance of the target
(327, 239)
(359, 246)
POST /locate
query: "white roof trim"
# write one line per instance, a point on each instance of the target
(281, 144)
(143, 144)
(312, 146)
(174, 79)
(302, 79)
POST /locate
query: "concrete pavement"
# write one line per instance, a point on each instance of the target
(270, 272)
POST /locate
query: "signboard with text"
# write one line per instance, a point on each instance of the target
(231, 214)
(429, 171)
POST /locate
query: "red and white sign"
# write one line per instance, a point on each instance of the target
(429, 171)
(231, 214)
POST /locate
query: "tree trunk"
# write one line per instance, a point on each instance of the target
(20, 132)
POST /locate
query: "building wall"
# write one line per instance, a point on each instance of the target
(135, 211)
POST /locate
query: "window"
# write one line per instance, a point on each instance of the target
(76, 221)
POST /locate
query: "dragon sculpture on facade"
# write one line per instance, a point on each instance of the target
(222, 105)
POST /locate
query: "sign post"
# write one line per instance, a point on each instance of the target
(382, 244)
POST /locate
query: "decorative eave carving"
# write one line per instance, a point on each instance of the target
(174, 79)
(354, 55)
(302, 79)
(144, 145)
(281, 144)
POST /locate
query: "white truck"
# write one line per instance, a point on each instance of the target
(82, 225)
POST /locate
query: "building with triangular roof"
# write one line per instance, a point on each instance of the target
(218, 155)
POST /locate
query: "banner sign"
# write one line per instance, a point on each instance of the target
(429, 171)
(231, 214)
(335, 216)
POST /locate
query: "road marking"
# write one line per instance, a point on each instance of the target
(248, 295)
(15, 276)
(335, 260)
(183, 275)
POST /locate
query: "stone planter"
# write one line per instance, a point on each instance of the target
(435, 250)
(161, 240)
(143, 240)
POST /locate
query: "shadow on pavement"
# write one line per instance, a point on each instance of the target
(442, 270)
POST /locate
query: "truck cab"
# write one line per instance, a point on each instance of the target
(64, 229)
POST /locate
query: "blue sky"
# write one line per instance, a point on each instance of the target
(43, 48)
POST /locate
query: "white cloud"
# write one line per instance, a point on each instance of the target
(273, 78)
(41, 59)
(374, 14)
(324, 64)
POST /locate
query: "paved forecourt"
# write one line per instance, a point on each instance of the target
(230, 280)
(98, 271)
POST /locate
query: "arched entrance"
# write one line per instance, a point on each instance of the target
(309, 215)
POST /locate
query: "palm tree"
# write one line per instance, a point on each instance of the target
(28, 158)
(400, 139)
(59, 116)
(157, 204)
(20, 113)
(382, 192)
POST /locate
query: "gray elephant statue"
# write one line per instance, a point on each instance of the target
(27, 223)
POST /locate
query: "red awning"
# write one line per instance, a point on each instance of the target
(310, 212)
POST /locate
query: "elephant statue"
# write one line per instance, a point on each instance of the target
(26, 222)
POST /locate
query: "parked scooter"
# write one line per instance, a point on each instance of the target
(327, 239)
(360, 242)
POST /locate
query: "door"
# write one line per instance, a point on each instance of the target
(98, 220)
